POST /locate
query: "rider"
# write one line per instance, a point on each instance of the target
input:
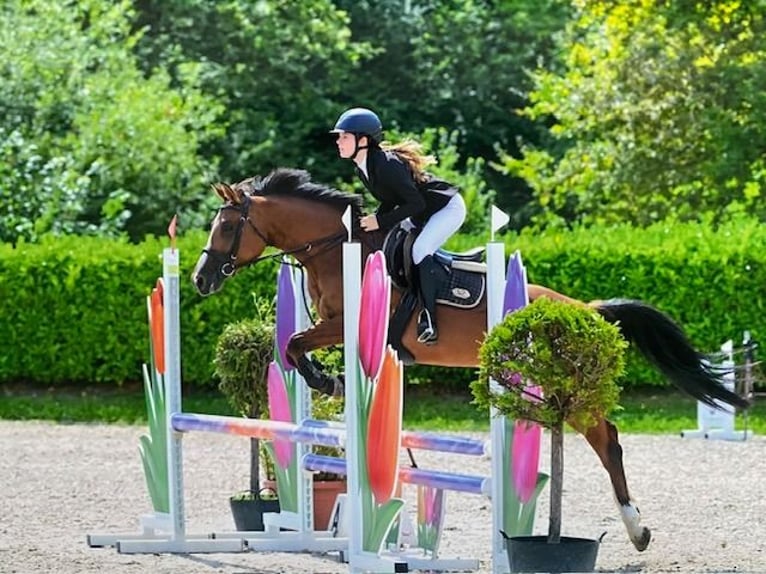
(395, 175)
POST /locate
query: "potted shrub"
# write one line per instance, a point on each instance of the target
(557, 362)
(243, 352)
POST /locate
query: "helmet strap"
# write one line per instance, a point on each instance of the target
(357, 147)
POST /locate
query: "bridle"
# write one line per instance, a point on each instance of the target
(228, 261)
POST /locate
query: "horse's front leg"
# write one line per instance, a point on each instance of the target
(604, 440)
(323, 334)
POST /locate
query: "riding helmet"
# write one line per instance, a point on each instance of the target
(360, 121)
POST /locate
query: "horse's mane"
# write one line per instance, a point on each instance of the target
(297, 183)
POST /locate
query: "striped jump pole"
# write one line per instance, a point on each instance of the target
(468, 483)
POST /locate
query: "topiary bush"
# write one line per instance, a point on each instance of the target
(574, 358)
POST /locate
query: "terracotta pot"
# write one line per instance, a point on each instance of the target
(325, 493)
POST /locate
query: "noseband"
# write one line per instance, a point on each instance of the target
(228, 261)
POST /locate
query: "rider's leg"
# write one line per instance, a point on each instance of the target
(439, 227)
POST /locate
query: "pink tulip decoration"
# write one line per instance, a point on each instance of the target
(525, 461)
(384, 429)
(285, 314)
(373, 314)
(279, 410)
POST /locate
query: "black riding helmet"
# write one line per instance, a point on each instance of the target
(360, 122)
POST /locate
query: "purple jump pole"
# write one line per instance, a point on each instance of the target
(436, 479)
(423, 440)
(259, 428)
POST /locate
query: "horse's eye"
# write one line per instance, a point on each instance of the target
(227, 227)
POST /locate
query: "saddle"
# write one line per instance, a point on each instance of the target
(463, 287)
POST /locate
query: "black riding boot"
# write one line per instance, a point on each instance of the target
(429, 274)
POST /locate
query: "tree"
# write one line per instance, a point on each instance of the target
(89, 143)
(558, 363)
(276, 64)
(654, 116)
(461, 65)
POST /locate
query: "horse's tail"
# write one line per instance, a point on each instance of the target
(666, 346)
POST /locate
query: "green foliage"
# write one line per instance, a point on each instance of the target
(276, 65)
(242, 356)
(74, 309)
(708, 279)
(462, 65)
(652, 116)
(90, 144)
(569, 351)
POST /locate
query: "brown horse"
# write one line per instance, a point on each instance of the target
(287, 211)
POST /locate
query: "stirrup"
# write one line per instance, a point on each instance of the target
(426, 329)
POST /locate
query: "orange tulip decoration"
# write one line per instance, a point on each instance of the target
(384, 429)
(157, 326)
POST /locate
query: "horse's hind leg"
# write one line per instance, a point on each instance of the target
(603, 438)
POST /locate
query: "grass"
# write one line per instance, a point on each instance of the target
(647, 411)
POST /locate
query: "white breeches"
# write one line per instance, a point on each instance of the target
(439, 228)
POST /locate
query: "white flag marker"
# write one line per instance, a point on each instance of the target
(499, 219)
(346, 219)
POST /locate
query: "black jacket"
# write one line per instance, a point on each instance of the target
(392, 184)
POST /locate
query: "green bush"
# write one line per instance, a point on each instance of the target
(74, 308)
(570, 351)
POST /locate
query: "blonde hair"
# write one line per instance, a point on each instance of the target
(411, 152)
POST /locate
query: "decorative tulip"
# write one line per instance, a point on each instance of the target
(516, 295)
(430, 502)
(526, 458)
(285, 313)
(157, 326)
(373, 314)
(525, 450)
(384, 429)
(279, 410)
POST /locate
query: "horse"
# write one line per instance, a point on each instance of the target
(292, 214)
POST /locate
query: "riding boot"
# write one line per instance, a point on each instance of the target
(428, 276)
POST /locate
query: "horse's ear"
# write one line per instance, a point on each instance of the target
(217, 188)
(228, 193)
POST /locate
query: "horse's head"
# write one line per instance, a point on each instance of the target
(230, 245)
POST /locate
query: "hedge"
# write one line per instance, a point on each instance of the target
(73, 308)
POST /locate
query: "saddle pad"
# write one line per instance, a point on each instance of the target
(464, 289)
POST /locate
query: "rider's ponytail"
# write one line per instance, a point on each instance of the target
(411, 152)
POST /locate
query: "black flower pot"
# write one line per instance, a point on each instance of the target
(248, 512)
(535, 554)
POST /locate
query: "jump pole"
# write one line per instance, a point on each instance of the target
(495, 294)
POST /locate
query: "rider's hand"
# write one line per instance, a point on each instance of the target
(369, 223)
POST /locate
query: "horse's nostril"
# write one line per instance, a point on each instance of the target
(199, 281)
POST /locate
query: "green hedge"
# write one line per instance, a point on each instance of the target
(710, 281)
(73, 308)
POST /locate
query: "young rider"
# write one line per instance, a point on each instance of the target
(395, 175)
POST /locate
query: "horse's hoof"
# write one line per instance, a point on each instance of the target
(642, 541)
